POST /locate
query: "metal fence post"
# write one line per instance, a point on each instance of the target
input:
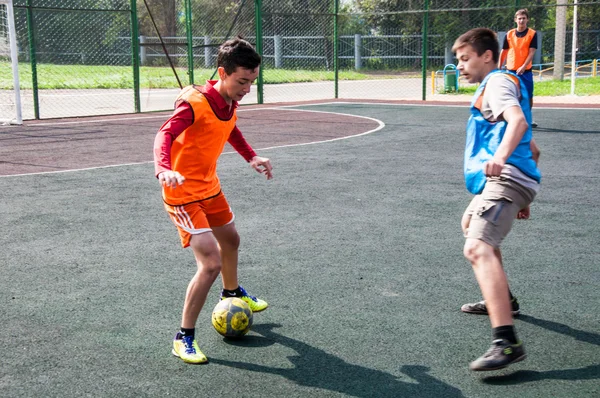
(357, 51)
(259, 48)
(278, 51)
(336, 40)
(207, 52)
(190, 40)
(448, 54)
(425, 50)
(33, 60)
(135, 56)
(143, 58)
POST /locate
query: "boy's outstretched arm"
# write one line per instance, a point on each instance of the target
(260, 164)
(263, 166)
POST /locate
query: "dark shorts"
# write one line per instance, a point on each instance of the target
(527, 78)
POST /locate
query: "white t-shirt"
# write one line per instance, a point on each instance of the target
(501, 93)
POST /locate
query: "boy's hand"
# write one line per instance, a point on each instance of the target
(524, 214)
(170, 179)
(263, 166)
(493, 167)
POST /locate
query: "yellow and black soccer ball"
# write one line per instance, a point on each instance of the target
(232, 317)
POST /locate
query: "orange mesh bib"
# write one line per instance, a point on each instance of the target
(518, 49)
(195, 152)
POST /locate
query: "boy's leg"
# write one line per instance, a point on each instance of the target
(480, 307)
(491, 221)
(208, 258)
(229, 242)
(505, 349)
(491, 279)
(221, 219)
(527, 78)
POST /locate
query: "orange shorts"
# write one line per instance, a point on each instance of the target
(199, 217)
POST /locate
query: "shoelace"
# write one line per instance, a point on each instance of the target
(188, 342)
(497, 346)
(245, 293)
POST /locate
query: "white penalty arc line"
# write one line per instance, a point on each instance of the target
(379, 127)
(440, 104)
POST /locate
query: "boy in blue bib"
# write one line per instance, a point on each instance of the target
(500, 168)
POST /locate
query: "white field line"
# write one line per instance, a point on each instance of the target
(379, 122)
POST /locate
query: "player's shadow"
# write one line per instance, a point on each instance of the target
(316, 368)
(588, 337)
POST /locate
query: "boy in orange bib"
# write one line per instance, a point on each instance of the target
(186, 150)
(518, 49)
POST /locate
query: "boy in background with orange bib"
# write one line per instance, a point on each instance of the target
(518, 49)
(186, 150)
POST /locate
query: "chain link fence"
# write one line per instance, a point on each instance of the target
(69, 53)
(93, 57)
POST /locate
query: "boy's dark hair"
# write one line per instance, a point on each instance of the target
(522, 11)
(235, 53)
(481, 39)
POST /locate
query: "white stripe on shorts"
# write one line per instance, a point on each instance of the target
(182, 219)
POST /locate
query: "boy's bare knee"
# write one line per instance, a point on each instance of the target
(228, 238)
(233, 241)
(475, 250)
(210, 263)
(207, 253)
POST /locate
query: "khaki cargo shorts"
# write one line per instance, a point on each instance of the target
(493, 211)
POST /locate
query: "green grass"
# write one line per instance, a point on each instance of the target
(583, 86)
(98, 76)
(94, 77)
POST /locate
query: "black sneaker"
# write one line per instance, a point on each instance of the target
(533, 125)
(480, 308)
(500, 355)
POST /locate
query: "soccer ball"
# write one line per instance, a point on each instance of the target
(232, 317)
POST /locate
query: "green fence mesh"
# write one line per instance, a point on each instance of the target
(71, 49)
(90, 57)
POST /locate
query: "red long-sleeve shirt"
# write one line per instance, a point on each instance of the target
(183, 117)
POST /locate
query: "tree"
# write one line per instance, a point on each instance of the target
(164, 13)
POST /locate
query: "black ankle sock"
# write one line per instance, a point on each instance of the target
(188, 332)
(506, 333)
(232, 293)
